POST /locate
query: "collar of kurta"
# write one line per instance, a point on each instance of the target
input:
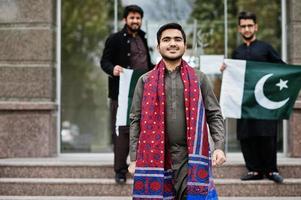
(153, 177)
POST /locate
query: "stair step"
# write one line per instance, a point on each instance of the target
(54, 168)
(107, 187)
(57, 171)
(232, 170)
(80, 178)
(129, 198)
(63, 198)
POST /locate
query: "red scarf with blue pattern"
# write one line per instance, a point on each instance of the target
(153, 178)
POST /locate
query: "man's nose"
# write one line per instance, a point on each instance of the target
(136, 20)
(172, 43)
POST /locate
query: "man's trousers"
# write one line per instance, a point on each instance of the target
(120, 142)
(260, 153)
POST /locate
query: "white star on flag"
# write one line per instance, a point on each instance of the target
(282, 84)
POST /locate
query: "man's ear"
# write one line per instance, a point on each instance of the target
(256, 27)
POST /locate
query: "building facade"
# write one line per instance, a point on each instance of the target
(27, 68)
(29, 107)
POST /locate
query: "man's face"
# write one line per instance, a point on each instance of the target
(172, 46)
(133, 21)
(247, 28)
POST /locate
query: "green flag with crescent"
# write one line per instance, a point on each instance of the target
(259, 90)
(127, 83)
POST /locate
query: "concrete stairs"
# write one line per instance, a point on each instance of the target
(82, 177)
(128, 198)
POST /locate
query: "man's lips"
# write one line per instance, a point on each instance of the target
(172, 50)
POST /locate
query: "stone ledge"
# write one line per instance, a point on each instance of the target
(27, 105)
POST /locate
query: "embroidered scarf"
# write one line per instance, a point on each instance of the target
(153, 174)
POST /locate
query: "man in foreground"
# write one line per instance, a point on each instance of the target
(169, 145)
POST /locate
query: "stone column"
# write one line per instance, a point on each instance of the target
(27, 71)
(294, 57)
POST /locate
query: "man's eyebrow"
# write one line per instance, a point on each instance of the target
(169, 37)
(166, 37)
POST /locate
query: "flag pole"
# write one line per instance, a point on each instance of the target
(115, 16)
(226, 28)
(284, 58)
(225, 56)
(58, 75)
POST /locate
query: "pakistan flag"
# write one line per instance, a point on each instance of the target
(127, 83)
(259, 90)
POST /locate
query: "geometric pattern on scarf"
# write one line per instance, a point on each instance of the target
(153, 174)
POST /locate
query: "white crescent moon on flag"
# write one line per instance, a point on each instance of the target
(262, 99)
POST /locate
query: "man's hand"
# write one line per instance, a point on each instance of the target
(218, 158)
(132, 167)
(117, 70)
(222, 67)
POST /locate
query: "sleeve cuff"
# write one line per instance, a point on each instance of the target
(219, 145)
(132, 156)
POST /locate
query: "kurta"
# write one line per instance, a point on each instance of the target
(176, 123)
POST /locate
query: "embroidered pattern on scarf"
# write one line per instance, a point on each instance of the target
(153, 175)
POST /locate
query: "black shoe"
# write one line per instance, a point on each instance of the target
(120, 178)
(251, 176)
(275, 176)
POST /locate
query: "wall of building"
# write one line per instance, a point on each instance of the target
(27, 78)
(27, 60)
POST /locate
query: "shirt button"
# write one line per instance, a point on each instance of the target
(128, 41)
(129, 54)
(124, 34)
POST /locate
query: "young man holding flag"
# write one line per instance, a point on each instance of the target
(124, 52)
(258, 137)
(171, 108)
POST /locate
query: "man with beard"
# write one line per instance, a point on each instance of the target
(124, 49)
(258, 138)
(169, 148)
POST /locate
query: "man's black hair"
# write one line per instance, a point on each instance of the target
(170, 26)
(132, 8)
(246, 15)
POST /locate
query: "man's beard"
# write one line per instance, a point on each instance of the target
(248, 38)
(167, 58)
(133, 30)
